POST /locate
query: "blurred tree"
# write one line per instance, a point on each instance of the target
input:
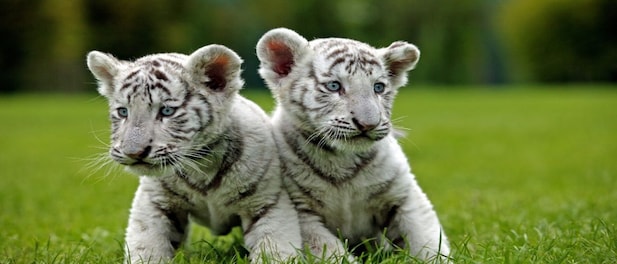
(44, 48)
(452, 36)
(57, 59)
(449, 36)
(17, 21)
(130, 29)
(539, 40)
(561, 40)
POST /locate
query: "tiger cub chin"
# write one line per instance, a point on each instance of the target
(344, 170)
(202, 150)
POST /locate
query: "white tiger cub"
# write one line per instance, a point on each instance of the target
(344, 170)
(204, 151)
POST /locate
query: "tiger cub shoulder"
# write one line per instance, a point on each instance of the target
(345, 172)
(179, 122)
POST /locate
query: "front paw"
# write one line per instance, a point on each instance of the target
(152, 254)
(332, 251)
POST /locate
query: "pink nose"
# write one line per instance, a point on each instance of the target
(362, 126)
(139, 154)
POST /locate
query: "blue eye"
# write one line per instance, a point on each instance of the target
(122, 112)
(333, 86)
(379, 87)
(167, 111)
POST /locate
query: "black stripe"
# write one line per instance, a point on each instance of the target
(301, 94)
(187, 99)
(260, 214)
(251, 225)
(115, 153)
(350, 65)
(381, 187)
(130, 76)
(160, 75)
(397, 44)
(323, 98)
(174, 193)
(194, 186)
(197, 110)
(399, 241)
(337, 51)
(362, 161)
(306, 192)
(179, 118)
(206, 150)
(313, 75)
(320, 142)
(253, 186)
(231, 155)
(130, 82)
(175, 244)
(163, 88)
(235, 148)
(149, 93)
(128, 99)
(389, 217)
(337, 62)
(174, 63)
(369, 61)
(307, 211)
(179, 137)
(125, 85)
(314, 138)
(290, 138)
(200, 117)
(178, 220)
(185, 130)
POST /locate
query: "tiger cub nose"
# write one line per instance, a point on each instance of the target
(363, 126)
(139, 154)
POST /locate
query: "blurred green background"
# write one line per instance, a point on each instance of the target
(462, 42)
(510, 117)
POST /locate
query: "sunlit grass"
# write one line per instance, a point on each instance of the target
(517, 176)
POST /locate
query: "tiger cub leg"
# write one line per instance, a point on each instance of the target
(320, 241)
(154, 232)
(415, 226)
(274, 233)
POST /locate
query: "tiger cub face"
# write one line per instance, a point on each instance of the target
(337, 92)
(166, 109)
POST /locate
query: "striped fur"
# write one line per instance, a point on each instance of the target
(345, 171)
(179, 122)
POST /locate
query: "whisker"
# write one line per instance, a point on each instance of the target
(323, 132)
(175, 163)
(317, 133)
(396, 126)
(192, 157)
(191, 163)
(397, 119)
(95, 133)
(97, 163)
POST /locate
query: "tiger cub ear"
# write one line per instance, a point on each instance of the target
(104, 67)
(279, 51)
(399, 58)
(215, 67)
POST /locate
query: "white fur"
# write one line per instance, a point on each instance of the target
(213, 159)
(344, 169)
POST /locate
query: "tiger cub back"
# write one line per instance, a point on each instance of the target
(198, 146)
(345, 171)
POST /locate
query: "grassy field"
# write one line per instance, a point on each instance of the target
(517, 175)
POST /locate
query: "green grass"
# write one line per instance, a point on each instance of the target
(517, 175)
